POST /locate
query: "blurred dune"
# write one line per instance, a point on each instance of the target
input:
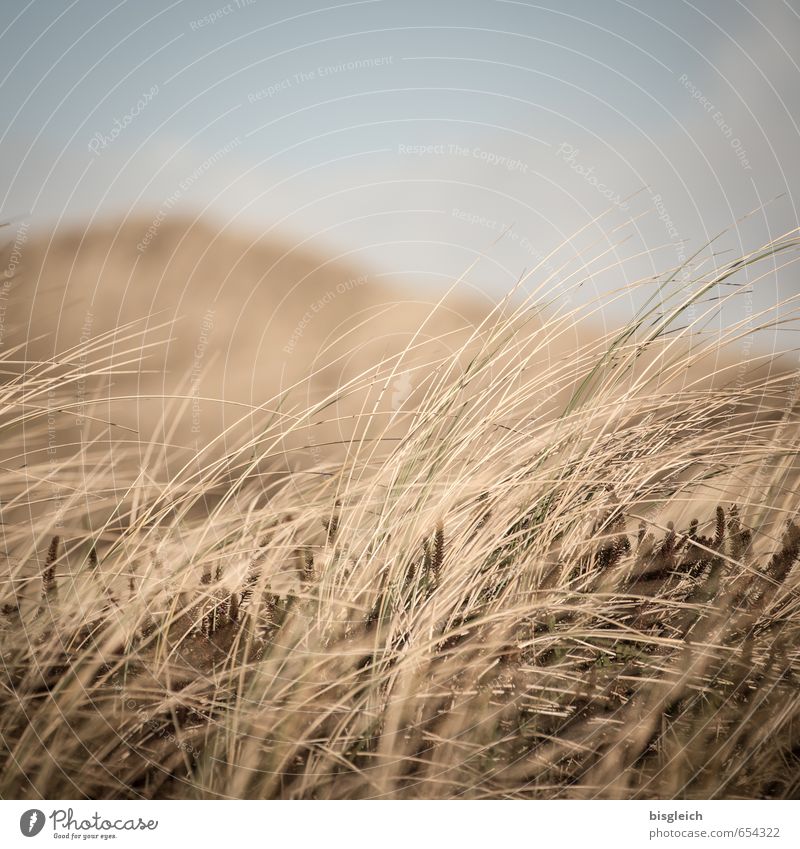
(207, 337)
(215, 326)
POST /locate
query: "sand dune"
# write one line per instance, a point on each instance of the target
(216, 324)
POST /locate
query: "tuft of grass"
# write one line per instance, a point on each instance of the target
(605, 601)
(49, 573)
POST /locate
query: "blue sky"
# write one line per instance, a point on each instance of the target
(409, 135)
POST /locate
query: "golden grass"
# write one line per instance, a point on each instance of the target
(517, 588)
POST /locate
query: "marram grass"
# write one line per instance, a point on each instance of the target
(572, 582)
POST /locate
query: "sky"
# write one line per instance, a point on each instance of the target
(416, 137)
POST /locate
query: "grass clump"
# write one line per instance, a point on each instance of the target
(572, 582)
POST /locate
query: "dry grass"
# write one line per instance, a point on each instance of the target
(518, 588)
